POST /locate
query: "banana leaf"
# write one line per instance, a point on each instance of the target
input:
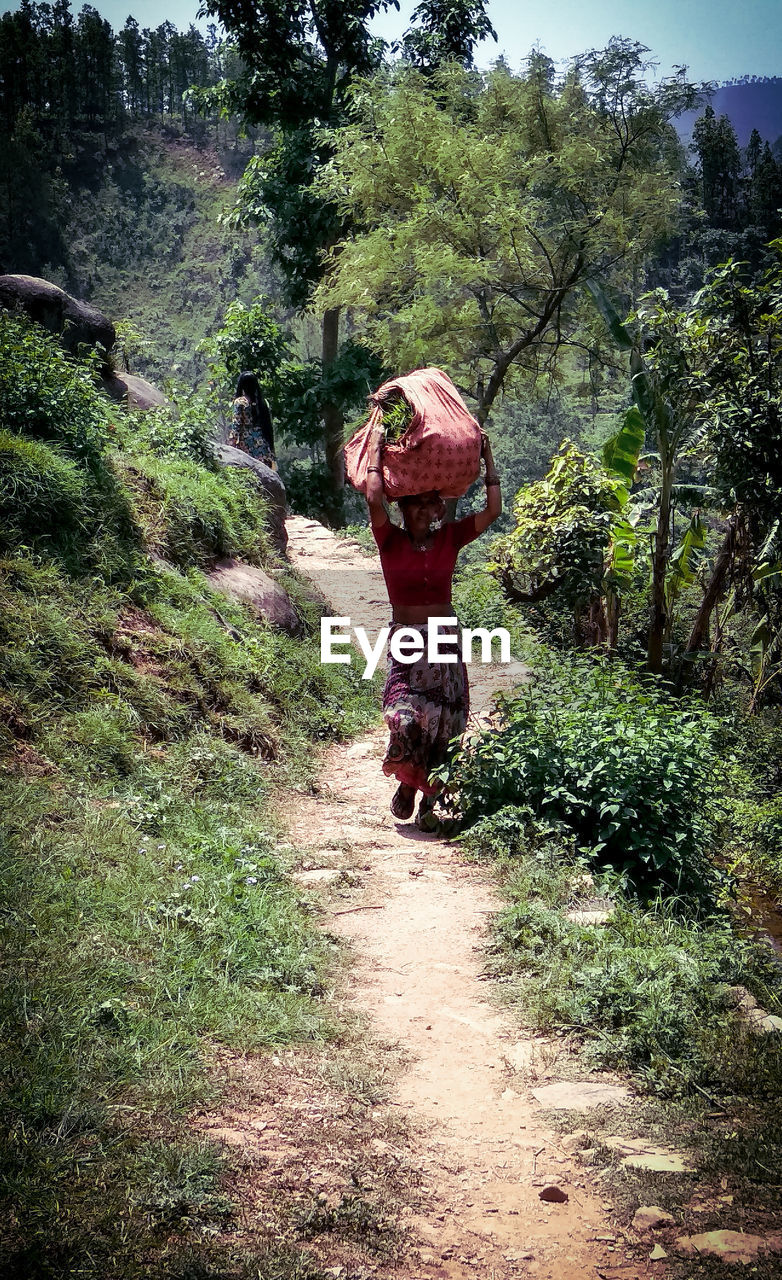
(768, 565)
(682, 565)
(760, 647)
(621, 553)
(622, 451)
(618, 331)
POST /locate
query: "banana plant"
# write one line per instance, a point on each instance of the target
(671, 429)
(765, 654)
(682, 564)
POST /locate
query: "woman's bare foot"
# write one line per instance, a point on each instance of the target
(403, 802)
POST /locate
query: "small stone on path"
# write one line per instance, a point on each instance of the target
(574, 1141)
(657, 1254)
(553, 1195)
(576, 1095)
(320, 875)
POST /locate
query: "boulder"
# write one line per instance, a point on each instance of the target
(133, 391)
(76, 323)
(248, 583)
(268, 482)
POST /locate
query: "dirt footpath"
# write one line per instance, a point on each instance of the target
(415, 917)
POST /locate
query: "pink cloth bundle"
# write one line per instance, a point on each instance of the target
(441, 448)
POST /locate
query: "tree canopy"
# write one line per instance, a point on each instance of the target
(482, 204)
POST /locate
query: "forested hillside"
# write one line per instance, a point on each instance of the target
(112, 186)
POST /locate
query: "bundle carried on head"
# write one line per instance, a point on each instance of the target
(432, 441)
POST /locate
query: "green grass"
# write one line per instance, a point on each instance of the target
(144, 913)
(647, 990)
(148, 727)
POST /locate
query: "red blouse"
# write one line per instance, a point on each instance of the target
(421, 577)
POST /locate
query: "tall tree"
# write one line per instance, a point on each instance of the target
(716, 146)
(442, 32)
(485, 206)
(300, 60)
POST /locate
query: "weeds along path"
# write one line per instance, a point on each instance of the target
(415, 918)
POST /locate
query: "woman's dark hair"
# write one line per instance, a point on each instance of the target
(249, 386)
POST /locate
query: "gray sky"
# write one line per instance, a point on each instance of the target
(717, 39)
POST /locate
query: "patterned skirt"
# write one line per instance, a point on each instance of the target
(425, 705)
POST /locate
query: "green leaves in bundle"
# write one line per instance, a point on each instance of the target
(397, 416)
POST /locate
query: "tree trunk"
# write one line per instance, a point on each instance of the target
(613, 607)
(715, 586)
(333, 417)
(654, 655)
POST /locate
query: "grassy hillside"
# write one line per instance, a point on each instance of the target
(146, 728)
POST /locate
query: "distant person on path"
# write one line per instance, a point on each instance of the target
(425, 704)
(251, 426)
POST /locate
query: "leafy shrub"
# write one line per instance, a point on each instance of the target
(58, 492)
(185, 427)
(649, 989)
(43, 498)
(478, 600)
(562, 529)
(617, 764)
(49, 396)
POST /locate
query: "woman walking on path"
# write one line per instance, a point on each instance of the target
(425, 704)
(251, 427)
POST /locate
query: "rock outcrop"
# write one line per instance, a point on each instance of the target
(269, 483)
(254, 587)
(134, 392)
(76, 323)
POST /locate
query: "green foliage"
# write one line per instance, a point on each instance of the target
(446, 32)
(296, 390)
(144, 912)
(562, 531)
(622, 451)
(648, 989)
(751, 826)
(43, 494)
(397, 416)
(478, 600)
(48, 396)
(484, 203)
(618, 765)
(123, 957)
(684, 560)
(58, 493)
(184, 427)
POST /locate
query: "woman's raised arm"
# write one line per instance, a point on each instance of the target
(374, 491)
(493, 495)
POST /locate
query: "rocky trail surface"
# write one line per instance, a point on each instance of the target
(476, 1182)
